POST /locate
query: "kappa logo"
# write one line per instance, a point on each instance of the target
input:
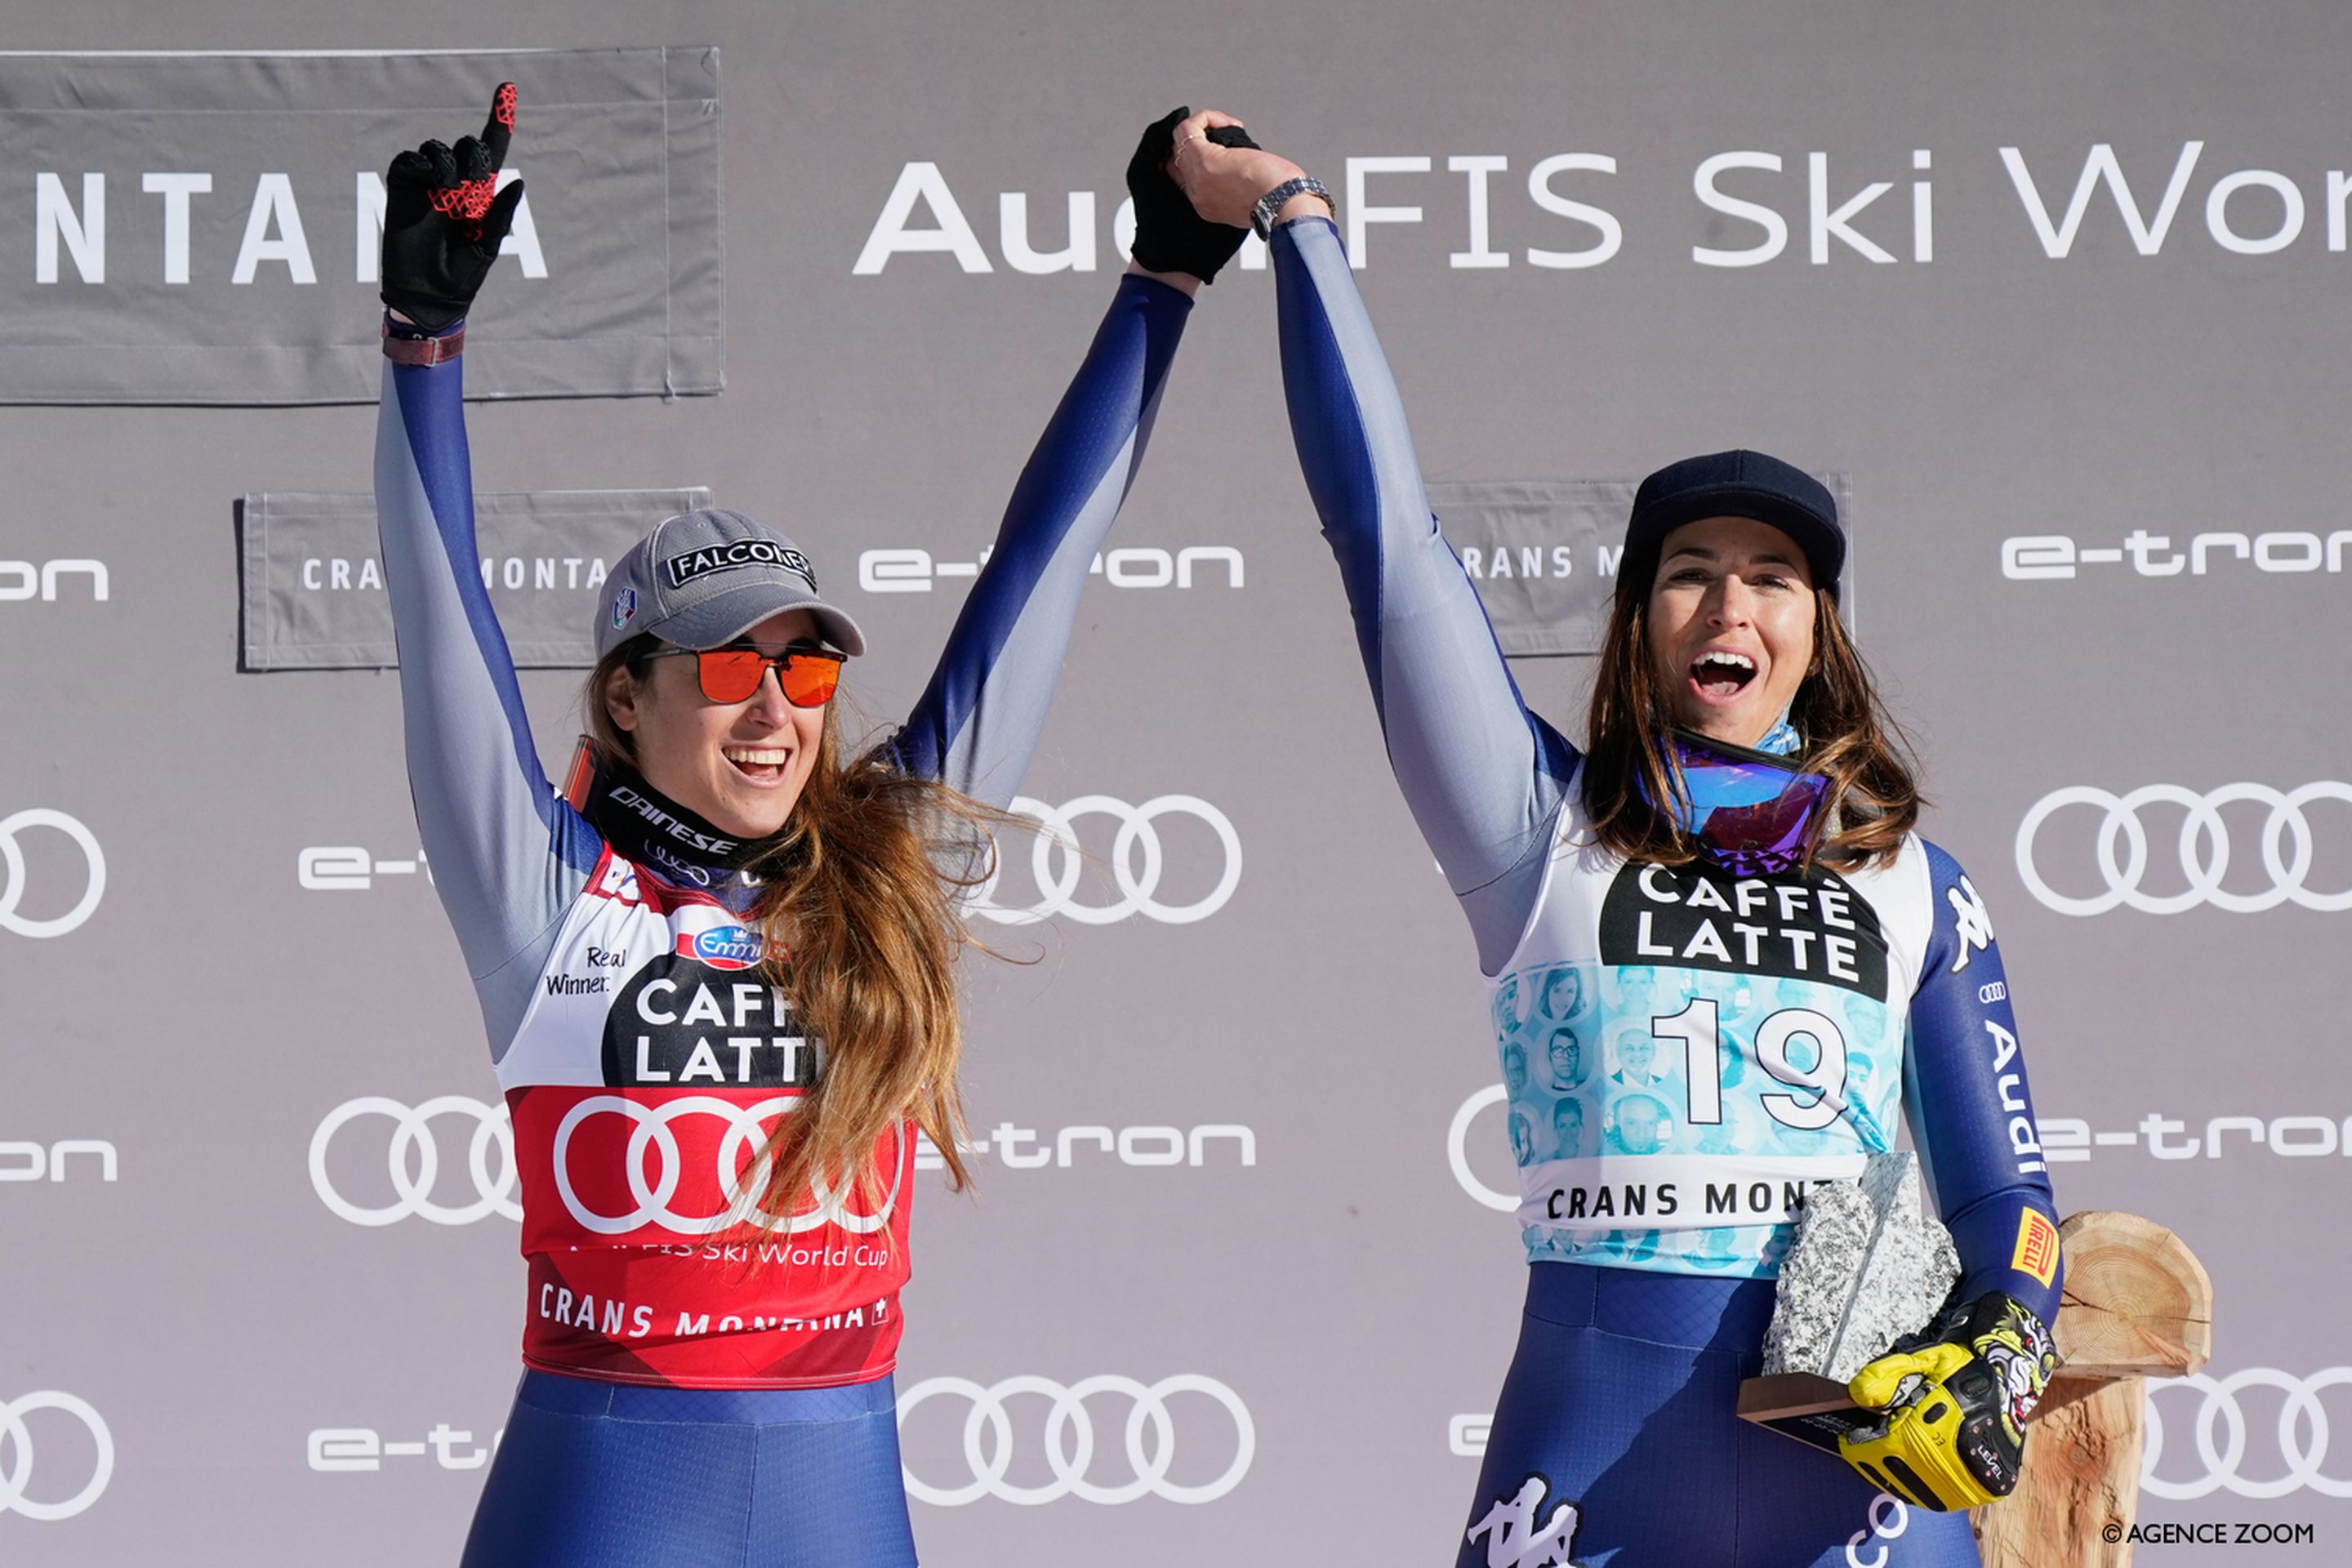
(1973, 920)
(680, 570)
(1521, 1532)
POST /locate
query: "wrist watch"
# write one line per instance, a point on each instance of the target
(1261, 215)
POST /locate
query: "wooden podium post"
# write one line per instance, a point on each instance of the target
(2138, 1305)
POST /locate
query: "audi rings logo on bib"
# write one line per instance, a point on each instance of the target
(1186, 877)
(1001, 1420)
(607, 1190)
(2238, 1445)
(55, 873)
(2273, 848)
(414, 1164)
(56, 1455)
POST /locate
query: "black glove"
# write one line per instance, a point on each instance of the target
(443, 217)
(1169, 236)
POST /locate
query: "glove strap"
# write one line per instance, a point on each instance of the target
(402, 348)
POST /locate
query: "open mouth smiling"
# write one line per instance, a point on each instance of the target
(1719, 675)
(763, 764)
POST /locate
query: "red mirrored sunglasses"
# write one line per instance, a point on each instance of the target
(807, 676)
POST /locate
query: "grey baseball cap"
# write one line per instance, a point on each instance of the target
(702, 579)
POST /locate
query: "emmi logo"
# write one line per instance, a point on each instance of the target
(29, 1162)
(28, 580)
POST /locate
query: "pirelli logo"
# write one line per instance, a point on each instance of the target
(2037, 1247)
(680, 570)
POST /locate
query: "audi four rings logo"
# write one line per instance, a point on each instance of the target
(744, 1134)
(1136, 861)
(1457, 1149)
(2120, 844)
(413, 1160)
(17, 1464)
(413, 1157)
(2302, 1428)
(15, 877)
(1150, 1439)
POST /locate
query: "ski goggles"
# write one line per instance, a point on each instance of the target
(1752, 813)
(806, 676)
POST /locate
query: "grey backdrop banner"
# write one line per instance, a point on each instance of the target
(203, 228)
(1544, 553)
(314, 596)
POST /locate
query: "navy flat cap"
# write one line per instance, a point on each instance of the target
(1733, 484)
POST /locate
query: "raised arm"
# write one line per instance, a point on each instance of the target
(977, 722)
(1971, 1114)
(1485, 777)
(977, 725)
(507, 856)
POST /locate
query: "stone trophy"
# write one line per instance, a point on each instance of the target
(1868, 1266)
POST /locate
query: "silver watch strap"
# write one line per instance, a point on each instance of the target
(1261, 215)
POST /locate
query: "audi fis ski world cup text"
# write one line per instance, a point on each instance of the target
(1552, 210)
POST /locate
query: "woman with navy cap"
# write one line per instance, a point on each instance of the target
(717, 973)
(1740, 809)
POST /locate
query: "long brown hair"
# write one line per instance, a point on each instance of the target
(857, 909)
(1874, 797)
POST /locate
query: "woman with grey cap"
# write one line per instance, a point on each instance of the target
(717, 971)
(1738, 811)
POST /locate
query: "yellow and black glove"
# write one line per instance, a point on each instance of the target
(1956, 1396)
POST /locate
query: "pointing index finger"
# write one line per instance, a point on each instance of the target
(499, 128)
